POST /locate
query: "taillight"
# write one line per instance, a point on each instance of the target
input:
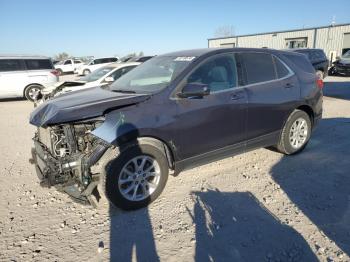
(54, 72)
(319, 83)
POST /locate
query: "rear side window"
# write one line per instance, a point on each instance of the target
(77, 62)
(259, 67)
(10, 65)
(281, 69)
(113, 59)
(37, 64)
(301, 62)
(318, 55)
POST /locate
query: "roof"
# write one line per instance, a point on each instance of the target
(205, 51)
(283, 31)
(3, 56)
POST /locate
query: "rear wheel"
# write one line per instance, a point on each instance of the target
(59, 72)
(32, 91)
(86, 72)
(136, 177)
(295, 133)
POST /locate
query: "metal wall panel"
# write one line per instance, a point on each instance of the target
(329, 39)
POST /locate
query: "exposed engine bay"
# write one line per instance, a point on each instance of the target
(65, 154)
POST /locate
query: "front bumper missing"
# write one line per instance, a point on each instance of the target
(50, 172)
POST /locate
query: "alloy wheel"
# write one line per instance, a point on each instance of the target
(298, 133)
(139, 178)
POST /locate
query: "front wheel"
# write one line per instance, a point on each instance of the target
(295, 133)
(31, 92)
(136, 177)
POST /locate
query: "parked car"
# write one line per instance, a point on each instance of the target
(318, 60)
(140, 59)
(342, 65)
(25, 76)
(67, 66)
(100, 77)
(175, 112)
(94, 64)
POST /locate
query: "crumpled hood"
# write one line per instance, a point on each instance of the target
(61, 85)
(80, 105)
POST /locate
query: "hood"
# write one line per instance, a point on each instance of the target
(60, 85)
(81, 105)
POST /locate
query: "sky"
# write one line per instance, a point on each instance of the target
(108, 28)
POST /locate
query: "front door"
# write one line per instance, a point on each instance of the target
(217, 121)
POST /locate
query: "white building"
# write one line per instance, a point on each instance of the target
(334, 39)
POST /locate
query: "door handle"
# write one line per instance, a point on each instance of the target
(288, 85)
(237, 96)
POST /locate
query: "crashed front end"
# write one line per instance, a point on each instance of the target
(74, 132)
(65, 156)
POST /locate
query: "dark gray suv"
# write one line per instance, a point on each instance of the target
(174, 112)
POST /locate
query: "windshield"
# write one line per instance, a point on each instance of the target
(347, 54)
(153, 75)
(97, 74)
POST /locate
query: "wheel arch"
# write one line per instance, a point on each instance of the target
(308, 110)
(131, 139)
(31, 84)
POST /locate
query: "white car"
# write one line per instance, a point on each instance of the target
(100, 77)
(25, 76)
(95, 64)
(68, 66)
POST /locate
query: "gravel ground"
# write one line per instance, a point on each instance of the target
(258, 206)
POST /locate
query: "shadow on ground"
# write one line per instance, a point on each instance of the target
(337, 89)
(317, 181)
(131, 236)
(236, 227)
(12, 99)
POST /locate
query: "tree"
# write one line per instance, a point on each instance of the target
(225, 31)
(141, 53)
(62, 56)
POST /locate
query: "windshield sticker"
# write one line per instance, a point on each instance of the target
(184, 58)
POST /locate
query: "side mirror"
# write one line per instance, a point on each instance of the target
(195, 90)
(109, 79)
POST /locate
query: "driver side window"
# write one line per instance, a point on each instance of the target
(219, 73)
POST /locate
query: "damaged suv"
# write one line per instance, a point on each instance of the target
(174, 112)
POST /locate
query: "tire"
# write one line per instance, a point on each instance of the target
(86, 72)
(289, 146)
(31, 91)
(320, 74)
(59, 72)
(121, 179)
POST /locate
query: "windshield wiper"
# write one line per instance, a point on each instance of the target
(124, 91)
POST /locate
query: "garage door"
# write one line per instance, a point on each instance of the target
(346, 43)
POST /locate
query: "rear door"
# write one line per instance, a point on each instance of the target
(38, 70)
(216, 121)
(273, 91)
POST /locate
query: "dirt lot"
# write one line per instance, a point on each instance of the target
(259, 206)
